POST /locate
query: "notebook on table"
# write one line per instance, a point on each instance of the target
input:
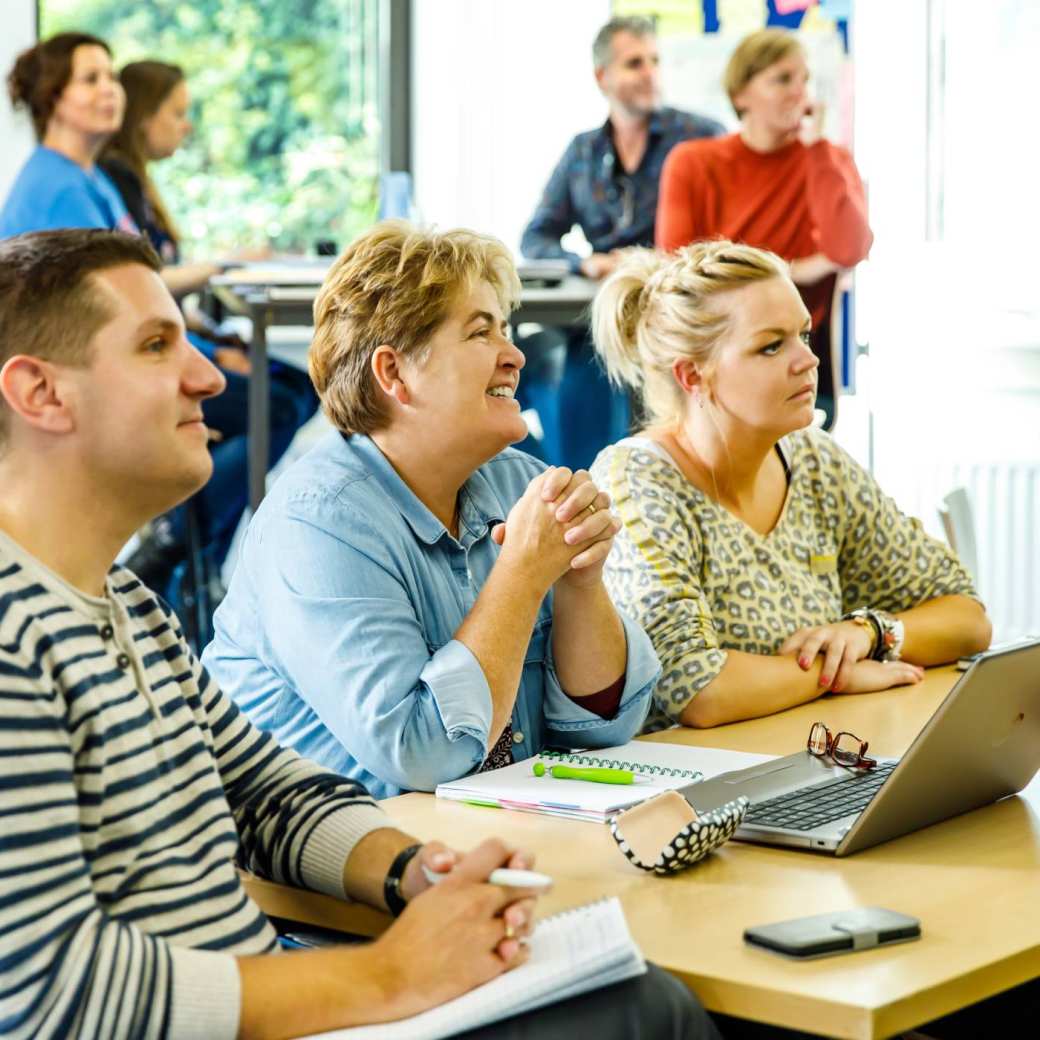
(571, 953)
(658, 768)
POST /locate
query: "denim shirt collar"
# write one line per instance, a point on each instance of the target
(479, 507)
(654, 125)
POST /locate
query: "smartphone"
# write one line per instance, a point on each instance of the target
(840, 931)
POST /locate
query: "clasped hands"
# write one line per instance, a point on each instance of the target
(461, 932)
(560, 529)
(845, 647)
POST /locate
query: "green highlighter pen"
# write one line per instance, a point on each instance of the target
(597, 776)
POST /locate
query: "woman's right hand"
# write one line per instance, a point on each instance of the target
(808, 270)
(873, 676)
(532, 537)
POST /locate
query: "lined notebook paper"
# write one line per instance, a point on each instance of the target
(658, 767)
(571, 953)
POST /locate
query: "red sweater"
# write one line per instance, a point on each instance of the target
(796, 201)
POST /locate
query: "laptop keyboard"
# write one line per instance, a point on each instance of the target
(810, 807)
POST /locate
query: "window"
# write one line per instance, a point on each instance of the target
(284, 102)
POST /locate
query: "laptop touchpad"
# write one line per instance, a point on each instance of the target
(748, 776)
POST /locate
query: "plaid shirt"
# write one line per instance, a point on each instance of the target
(590, 187)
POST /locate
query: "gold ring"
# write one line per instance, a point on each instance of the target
(510, 931)
(591, 507)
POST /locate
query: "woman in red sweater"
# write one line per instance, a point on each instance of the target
(776, 183)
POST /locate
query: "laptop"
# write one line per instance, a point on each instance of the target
(982, 744)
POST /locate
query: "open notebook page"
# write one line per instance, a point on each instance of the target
(658, 767)
(571, 953)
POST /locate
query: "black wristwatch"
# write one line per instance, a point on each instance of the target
(395, 902)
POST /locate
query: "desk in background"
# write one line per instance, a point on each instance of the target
(971, 880)
(274, 295)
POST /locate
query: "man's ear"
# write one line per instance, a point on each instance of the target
(599, 74)
(386, 368)
(31, 389)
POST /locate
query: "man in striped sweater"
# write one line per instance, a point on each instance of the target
(129, 784)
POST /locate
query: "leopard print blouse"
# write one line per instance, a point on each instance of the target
(701, 582)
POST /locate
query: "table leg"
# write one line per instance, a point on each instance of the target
(259, 424)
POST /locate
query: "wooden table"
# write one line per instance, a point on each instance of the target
(273, 295)
(973, 881)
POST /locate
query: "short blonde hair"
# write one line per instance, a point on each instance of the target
(394, 284)
(656, 309)
(753, 55)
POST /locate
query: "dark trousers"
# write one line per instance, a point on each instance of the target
(652, 1007)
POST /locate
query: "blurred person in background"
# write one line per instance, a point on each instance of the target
(777, 183)
(606, 182)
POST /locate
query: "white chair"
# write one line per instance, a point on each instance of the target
(958, 523)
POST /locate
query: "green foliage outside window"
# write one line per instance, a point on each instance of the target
(286, 141)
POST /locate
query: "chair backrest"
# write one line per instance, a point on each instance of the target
(958, 523)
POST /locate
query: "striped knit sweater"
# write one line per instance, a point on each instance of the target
(129, 785)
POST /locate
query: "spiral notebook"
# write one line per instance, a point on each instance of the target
(571, 953)
(658, 767)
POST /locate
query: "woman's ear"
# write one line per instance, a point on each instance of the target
(29, 387)
(688, 376)
(386, 367)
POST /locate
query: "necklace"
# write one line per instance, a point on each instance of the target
(695, 466)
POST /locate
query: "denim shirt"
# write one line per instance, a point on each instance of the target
(590, 187)
(336, 634)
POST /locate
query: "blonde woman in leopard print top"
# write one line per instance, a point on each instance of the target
(765, 564)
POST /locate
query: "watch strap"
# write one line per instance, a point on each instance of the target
(395, 902)
(867, 619)
(890, 644)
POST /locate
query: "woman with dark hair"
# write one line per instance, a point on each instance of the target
(77, 104)
(154, 126)
(69, 86)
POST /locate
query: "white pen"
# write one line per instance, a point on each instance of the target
(502, 876)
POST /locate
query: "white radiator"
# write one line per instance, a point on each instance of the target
(1005, 500)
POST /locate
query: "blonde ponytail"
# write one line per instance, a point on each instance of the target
(615, 316)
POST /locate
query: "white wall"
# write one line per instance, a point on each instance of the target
(953, 324)
(500, 89)
(18, 25)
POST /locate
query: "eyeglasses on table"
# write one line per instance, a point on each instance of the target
(846, 749)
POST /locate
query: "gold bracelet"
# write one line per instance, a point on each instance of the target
(865, 622)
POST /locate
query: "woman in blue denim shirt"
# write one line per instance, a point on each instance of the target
(415, 600)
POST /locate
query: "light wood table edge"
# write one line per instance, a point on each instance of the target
(956, 995)
(315, 908)
(849, 1021)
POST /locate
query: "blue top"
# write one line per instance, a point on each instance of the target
(590, 187)
(52, 191)
(336, 634)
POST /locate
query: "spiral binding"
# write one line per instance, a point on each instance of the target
(615, 763)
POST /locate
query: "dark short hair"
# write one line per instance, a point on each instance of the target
(48, 306)
(635, 24)
(42, 72)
